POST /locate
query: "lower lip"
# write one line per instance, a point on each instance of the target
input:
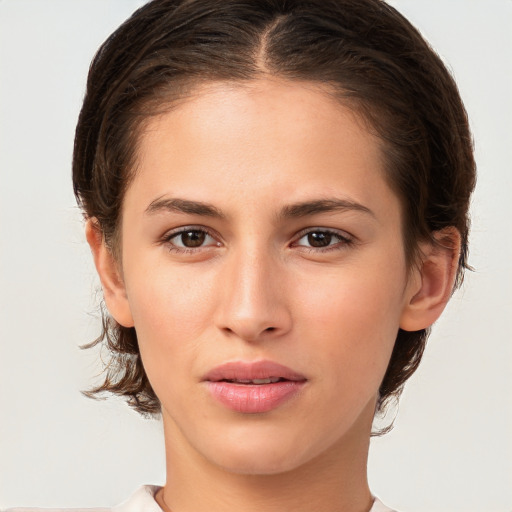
(254, 398)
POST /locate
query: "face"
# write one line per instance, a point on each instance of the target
(263, 269)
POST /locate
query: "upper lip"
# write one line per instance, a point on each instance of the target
(247, 370)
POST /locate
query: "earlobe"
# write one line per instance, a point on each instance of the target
(431, 287)
(110, 276)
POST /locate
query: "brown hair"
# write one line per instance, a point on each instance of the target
(368, 54)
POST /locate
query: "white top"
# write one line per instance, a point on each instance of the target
(143, 500)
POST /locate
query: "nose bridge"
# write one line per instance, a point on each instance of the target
(253, 303)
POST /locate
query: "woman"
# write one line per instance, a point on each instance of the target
(276, 197)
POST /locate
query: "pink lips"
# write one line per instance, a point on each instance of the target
(253, 387)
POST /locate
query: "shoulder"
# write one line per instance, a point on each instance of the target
(143, 500)
(35, 509)
(378, 506)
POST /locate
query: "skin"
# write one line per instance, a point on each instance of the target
(255, 288)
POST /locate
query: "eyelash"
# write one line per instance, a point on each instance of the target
(344, 240)
(168, 239)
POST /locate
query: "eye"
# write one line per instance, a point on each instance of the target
(323, 239)
(190, 238)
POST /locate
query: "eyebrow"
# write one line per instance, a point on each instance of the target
(296, 210)
(306, 208)
(183, 206)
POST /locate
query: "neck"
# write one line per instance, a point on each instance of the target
(334, 481)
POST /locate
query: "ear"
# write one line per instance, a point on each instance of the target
(431, 286)
(110, 275)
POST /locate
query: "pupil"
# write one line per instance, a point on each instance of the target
(319, 239)
(193, 238)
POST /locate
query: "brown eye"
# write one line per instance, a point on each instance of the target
(192, 238)
(324, 239)
(319, 239)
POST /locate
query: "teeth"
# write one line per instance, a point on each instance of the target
(269, 380)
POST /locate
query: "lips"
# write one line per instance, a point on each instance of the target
(255, 387)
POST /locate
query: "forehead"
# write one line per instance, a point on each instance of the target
(267, 134)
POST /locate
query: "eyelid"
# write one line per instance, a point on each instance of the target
(172, 233)
(344, 238)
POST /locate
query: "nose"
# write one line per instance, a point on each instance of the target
(254, 304)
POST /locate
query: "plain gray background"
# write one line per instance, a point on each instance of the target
(451, 449)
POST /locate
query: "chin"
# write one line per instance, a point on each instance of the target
(260, 462)
(263, 452)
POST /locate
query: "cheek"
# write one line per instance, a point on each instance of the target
(354, 316)
(169, 309)
(169, 312)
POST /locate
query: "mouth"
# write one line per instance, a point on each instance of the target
(253, 387)
(258, 372)
(268, 380)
